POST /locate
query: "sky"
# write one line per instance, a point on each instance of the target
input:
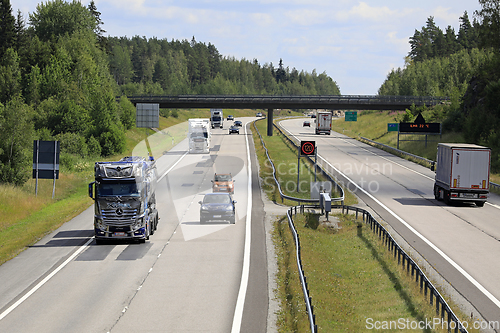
(356, 43)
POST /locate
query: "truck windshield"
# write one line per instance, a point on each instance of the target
(197, 135)
(118, 188)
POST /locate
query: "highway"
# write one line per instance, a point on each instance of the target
(187, 278)
(461, 242)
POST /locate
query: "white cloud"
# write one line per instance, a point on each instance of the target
(377, 14)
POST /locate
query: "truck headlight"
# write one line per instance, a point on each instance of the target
(99, 224)
(138, 223)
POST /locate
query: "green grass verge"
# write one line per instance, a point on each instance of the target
(353, 281)
(284, 157)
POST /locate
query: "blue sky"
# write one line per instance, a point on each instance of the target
(356, 43)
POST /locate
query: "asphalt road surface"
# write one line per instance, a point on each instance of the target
(187, 278)
(461, 241)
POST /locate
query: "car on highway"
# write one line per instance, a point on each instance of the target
(230, 117)
(223, 182)
(234, 129)
(217, 207)
(238, 123)
(306, 123)
(259, 114)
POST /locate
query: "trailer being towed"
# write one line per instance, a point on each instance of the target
(462, 173)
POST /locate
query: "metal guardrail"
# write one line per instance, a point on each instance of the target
(435, 298)
(418, 158)
(303, 282)
(302, 276)
(442, 307)
(298, 200)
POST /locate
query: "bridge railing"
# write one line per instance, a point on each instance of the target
(286, 100)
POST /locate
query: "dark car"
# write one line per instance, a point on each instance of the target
(306, 123)
(230, 117)
(217, 207)
(238, 123)
(234, 129)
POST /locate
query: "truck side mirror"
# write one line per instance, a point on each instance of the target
(433, 166)
(91, 190)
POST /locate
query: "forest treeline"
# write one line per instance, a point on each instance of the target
(60, 78)
(161, 67)
(463, 66)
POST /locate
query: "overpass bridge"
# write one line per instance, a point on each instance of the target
(271, 102)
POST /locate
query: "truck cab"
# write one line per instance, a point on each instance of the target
(124, 199)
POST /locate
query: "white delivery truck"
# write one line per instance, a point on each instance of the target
(462, 173)
(216, 118)
(323, 122)
(199, 136)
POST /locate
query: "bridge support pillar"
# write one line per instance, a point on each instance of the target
(270, 122)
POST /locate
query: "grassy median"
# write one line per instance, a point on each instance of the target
(355, 285)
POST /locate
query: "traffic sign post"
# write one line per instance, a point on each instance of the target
(392, 127)
(147, 116)
(419, 126)
(307, 148)
(351, 116)
(46, 162)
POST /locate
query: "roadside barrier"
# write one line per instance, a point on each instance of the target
(435, 298)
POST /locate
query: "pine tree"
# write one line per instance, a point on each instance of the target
(7, 28)
(98, 30)
(489, 17)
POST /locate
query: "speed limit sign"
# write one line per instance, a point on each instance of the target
(307, 148)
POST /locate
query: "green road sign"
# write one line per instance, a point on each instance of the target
(351, 116)
(392, 127)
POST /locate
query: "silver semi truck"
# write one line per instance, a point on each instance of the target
(124, 199)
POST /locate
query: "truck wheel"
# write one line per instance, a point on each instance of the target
(437, 194)
(153, 226)
(447, 197)
(148, 231)
(480, 203)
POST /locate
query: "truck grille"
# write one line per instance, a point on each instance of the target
(119, 217)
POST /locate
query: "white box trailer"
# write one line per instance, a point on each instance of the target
(462, 173)
(199, 136)
(324, 122)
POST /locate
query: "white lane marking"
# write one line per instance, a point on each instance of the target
(173, 166)
(429, 243)
(450, 261)
(418, 173)
(54, 272)
(240, 302)
(401, 165)
(47, 278)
